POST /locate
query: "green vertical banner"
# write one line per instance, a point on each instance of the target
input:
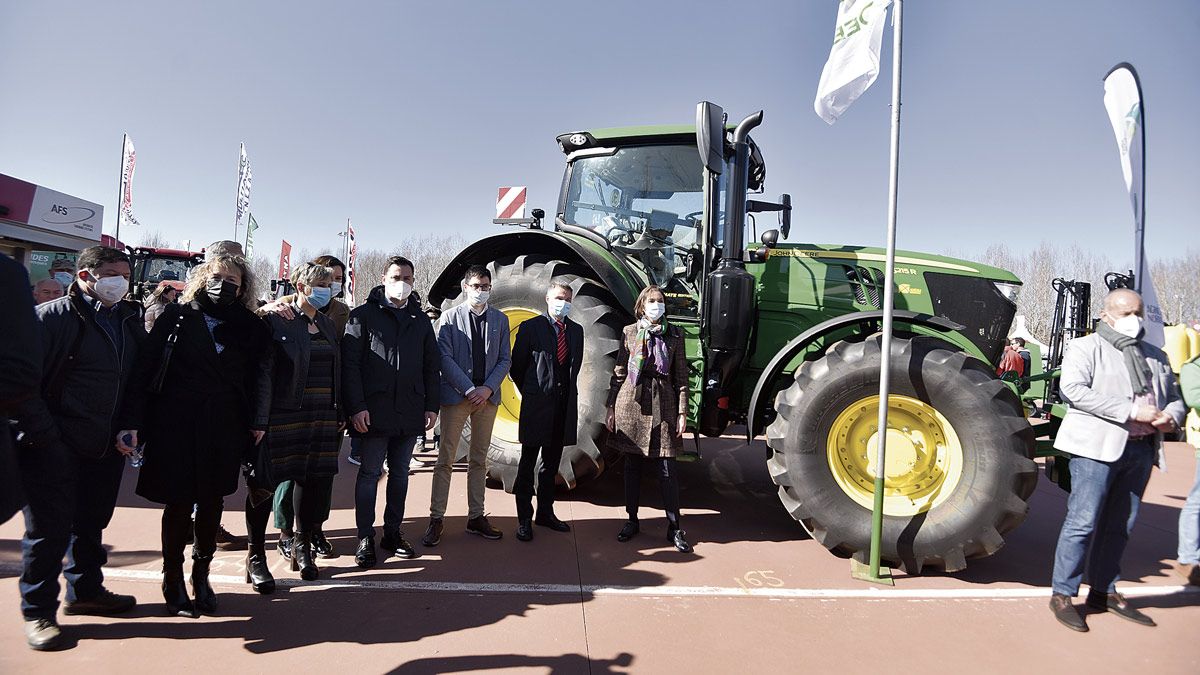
(251, 226)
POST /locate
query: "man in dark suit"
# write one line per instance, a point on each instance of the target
(546, 358)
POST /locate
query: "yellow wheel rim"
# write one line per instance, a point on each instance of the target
(509, 414)
(924, 456)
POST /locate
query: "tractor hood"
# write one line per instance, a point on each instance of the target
(909, 259)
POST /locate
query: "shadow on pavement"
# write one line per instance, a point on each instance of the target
(556, 665)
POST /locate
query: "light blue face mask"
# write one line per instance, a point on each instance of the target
(319, 297)
(64, 278)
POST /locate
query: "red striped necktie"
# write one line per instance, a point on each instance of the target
(562, 342)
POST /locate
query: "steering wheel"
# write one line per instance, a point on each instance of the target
(697, 215)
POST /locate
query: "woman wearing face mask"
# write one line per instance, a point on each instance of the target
(647, 409)
(297, 411)
(164, 295)
(191, 401)
(339, 313)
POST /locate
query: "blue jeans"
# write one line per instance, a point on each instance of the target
(1101, 510)
(397, 450)
(1189, 524)
(71, 501)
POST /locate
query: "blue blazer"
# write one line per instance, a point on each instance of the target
(454, 340)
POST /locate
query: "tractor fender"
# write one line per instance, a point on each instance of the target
(614, 274)
(803, 340)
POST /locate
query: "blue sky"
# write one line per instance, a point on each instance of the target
(407, 116)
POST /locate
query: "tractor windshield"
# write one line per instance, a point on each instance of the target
(647, 201)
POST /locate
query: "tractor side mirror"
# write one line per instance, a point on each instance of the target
(785, 216)
(770, 238)
(710, 136)
(694, 260)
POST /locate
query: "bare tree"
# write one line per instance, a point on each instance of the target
(430, 254)
(154, 239)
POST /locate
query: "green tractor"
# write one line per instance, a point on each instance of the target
(781, 338)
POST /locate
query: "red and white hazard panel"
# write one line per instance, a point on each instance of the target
(510, 202)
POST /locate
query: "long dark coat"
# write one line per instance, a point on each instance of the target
(197, 430)
(648, 413)
(391, 366)
(20, 374)
(534, 354)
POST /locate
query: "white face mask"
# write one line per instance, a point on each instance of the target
(110, 289)
(558, 308)
(655, 310)
(336, 288)
(397, 290)
(1129, 325)
(476, 298)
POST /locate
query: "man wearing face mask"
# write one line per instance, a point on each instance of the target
(546, 358)
(70, 465)
(473, 340)
(391, 391)
(1123, 398)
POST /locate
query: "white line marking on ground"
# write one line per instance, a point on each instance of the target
(869, 593)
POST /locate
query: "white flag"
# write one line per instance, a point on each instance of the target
(1123, 102)
(853, 61)
(243, 186)
(351, 263)
(128, 161)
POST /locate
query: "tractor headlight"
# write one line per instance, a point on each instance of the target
(1009, 291)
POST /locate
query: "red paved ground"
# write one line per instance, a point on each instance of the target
(571, 620)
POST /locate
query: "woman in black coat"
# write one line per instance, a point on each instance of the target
(191, 401)
(298, 423)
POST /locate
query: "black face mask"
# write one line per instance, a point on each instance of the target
(221, 292)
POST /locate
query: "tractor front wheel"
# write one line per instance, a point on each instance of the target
(958, 469)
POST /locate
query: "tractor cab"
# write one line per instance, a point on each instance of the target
(641, 192)
(153, 265)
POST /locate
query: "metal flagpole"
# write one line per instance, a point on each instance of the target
(888, 301)
(120, 188)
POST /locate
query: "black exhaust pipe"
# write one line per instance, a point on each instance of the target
(730, 307)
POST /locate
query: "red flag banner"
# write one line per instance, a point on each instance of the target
(285, 263)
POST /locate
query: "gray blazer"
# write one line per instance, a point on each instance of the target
(1096, 385)
(454, 339)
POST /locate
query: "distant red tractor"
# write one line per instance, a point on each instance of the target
(154, 265)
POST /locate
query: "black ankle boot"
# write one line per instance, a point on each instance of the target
(302, 557)
(205, 599)
(258, 575)
(175, 591)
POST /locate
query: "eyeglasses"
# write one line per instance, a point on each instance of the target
(480, 287)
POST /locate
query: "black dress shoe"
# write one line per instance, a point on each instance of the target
(302, 557)
(364, 556)
(321, 545)
(104, 603)
(396, 544)
(524, 529)
(552, 522)
(676, 537)
(1066, 613)
(629, 531)
(285, 545)
(1117, 604)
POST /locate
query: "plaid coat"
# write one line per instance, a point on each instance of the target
(647, 414)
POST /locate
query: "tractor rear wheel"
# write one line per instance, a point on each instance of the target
(958, 470)
(519, 287)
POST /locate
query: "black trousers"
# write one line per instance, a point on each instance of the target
(310, 502)
(551, 457)
(260, 501)
(668, 479)
(177, 529)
